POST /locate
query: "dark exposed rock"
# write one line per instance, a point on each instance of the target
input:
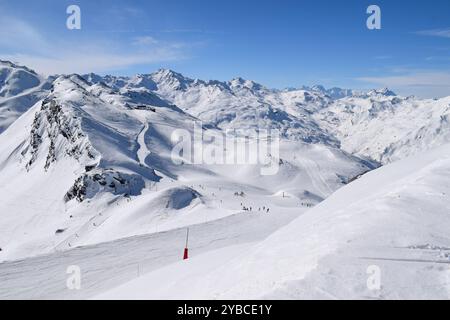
(145, 107)
(357, 177)
(105, 180)
(51, 157)
(63, 131)
(78, 190)
(89, 168)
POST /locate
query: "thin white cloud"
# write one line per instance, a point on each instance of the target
(422, 83)
(438, 58)
(91, 62)
(144, 41)
(16, 34)
(383, 57)
(430, 79)
(443, 33)
(26, 45)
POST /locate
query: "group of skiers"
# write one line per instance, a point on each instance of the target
(263, 209)
(308, 205)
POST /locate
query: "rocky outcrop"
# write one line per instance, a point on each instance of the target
(62, 132)
(100, 180)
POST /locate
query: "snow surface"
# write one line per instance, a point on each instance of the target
(107, 170)
(387, 128)
(396, 218)
(377, 125)
(20, 89)
(88, 180)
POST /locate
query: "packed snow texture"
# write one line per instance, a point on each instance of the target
(394, 220)
(90, 180)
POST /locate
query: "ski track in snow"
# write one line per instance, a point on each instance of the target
(86, 229)
(108, 265)
(365, 124)
(313, 171)
(143, 151)
(394, 219)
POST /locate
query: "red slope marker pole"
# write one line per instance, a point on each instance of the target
(186, 250)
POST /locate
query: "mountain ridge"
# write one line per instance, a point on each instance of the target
(309, 114)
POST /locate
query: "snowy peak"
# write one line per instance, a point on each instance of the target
(382, 92)
(339, 93)
(168, 74)
(319, 88)
(20, 89)
(387, 128)
(93, 78)
(16, 79)
(93, 157)
(311, 114)
(92, 128)
(169, 79)
(9, 64)
(240, 83)
(142, 81)
(58, 131)
(334, 93)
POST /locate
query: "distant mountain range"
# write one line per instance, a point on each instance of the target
(88, 159)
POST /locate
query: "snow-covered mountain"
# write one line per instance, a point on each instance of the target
(20, 88)
(234, 104)
(353, 120)
(95, 164)
(90, 172)
(385, 127)
(385, 236)
(334, 93)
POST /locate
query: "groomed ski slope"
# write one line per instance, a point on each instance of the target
(137, 145)
(107, 265)
(116, 141)
(395, 219)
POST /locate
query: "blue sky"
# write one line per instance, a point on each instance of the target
(279, 43)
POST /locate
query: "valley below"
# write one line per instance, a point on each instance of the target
(355, 187)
